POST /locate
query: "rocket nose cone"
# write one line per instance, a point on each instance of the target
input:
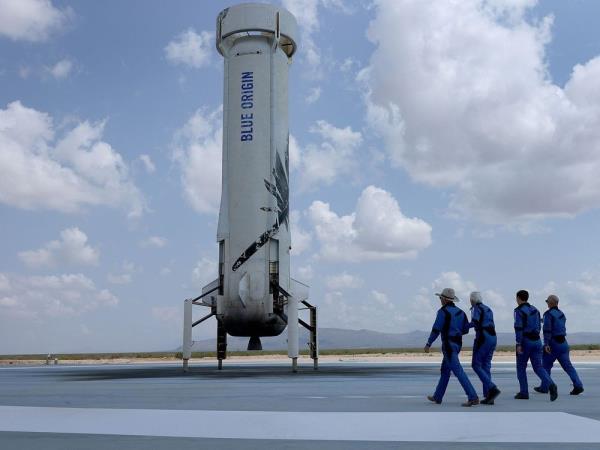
(254, 343)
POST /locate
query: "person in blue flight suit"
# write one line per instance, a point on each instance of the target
(556, 346)
(451, 322)
(529, 346)
(482, 319)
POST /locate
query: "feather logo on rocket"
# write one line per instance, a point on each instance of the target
(279, 190)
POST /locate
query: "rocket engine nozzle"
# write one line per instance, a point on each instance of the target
(254, 343)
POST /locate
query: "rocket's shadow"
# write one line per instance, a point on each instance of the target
(244, 372)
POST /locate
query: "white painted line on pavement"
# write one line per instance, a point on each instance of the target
(468, 426)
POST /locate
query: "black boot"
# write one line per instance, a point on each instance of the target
(553, 392)
(577, 390)
(492, 394)
(521, 396)
(540, 390)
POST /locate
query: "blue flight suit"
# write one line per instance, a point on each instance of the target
(527, 333)
(482, 319)
(555, 332)
(451, 322)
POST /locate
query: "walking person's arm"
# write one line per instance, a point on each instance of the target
(435, 330)
(475, 318)
(548, 326)
(518, 331)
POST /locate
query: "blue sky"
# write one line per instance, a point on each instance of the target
(434, 144)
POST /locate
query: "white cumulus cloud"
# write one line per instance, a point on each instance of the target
(125, 276)
(375, 311)
(61, 69)
(4, 283)
(205, 271)
(72, 249)
(40, 172)
(190, 48)
(454, 280)
(313, 95)
(154, 241)
(578, 299)
(463, 288)
(40, 297)
(306, 13)
(303, 273)
(294, 153)
(197, 150)
(148, 163)
(323, 163)
(31, 20)
(461, 93)
(397, 312)
(376, 230)
(121, 278)
(301, 238)
(343, 281)
(382, 300)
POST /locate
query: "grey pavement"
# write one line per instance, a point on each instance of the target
(336, 387)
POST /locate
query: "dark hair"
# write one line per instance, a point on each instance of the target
(523, 295)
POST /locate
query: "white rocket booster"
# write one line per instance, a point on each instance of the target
(254, 295)
(257, 42)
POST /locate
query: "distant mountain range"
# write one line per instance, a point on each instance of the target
(338, 338)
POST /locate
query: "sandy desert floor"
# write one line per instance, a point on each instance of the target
(502, 356)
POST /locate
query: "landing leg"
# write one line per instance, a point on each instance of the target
(221, 344)
(314, 342)
(292, 328)
(187, 333)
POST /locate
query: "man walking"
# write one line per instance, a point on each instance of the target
(482, 319)
(529, 347)
(451, 322)
(556, 346)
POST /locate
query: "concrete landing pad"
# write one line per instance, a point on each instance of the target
(344, 405)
